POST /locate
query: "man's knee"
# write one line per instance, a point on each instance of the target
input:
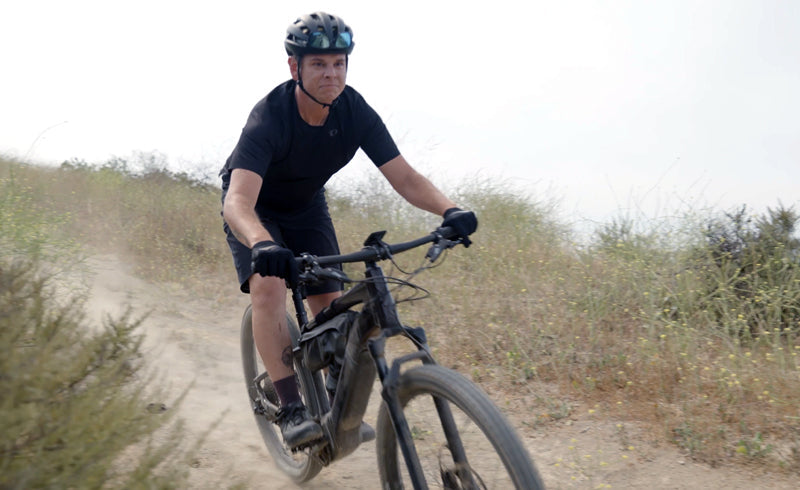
(319, 301)
(267, 291)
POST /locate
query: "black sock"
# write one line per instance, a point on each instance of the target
(287, 390)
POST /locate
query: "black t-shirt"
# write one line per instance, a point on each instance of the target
(296, 159)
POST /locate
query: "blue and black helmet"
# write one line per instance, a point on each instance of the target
(318, 33)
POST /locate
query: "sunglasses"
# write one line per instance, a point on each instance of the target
(322, 41)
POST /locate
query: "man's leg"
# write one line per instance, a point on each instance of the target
(271, 334)
(319, 301)
(274, 344)
(316, 303)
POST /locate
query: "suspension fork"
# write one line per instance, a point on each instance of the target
(390, 380)
(454, 443)
(385, 311)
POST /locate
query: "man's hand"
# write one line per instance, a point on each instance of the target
(270, 259)
(463, 222)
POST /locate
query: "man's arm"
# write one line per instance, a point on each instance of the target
(415, 187)
(239, 209)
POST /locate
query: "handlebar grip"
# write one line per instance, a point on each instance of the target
(447, 232)
(331, 273)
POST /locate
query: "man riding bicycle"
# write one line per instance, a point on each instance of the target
(295, 139)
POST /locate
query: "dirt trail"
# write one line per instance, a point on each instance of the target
(193, 342)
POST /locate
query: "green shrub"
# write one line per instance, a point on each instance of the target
(751, 272)
(71, 399)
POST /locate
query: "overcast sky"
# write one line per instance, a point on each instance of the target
(616, 107)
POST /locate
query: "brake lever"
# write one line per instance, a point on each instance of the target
(440, 245)
(435, 251)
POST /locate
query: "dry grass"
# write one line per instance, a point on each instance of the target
(639, 327)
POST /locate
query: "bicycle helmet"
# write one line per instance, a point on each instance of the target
(318, 33)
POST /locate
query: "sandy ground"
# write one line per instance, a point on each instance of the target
(193, 343)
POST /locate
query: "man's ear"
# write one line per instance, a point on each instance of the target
(294, 68)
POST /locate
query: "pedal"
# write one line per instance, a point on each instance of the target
(258, 409)
(308, 445)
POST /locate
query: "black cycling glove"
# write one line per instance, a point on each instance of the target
(270, 259)
(463, 222)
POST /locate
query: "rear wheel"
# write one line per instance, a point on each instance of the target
(483, 450)
(300, 466)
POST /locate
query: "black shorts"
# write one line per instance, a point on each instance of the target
(307, 231)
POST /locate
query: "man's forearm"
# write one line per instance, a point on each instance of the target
(420, 192)
(244, 223)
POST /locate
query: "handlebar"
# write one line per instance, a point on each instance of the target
(374, 249)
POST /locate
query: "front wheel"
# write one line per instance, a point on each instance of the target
(300, 466)
(479, 449)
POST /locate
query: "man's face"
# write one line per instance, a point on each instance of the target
(324, 75)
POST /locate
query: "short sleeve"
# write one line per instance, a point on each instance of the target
(378, 144)
(376, 141)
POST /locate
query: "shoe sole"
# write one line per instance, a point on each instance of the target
(304, 439)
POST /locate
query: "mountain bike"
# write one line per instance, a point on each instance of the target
(434, 428)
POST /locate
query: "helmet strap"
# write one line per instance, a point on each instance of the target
(323, 104)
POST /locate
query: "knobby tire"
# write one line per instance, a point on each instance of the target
(479, 423)
(299, 466)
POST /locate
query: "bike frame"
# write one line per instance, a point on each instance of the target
(365, 358)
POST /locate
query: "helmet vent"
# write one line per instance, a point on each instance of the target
(318, 32)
